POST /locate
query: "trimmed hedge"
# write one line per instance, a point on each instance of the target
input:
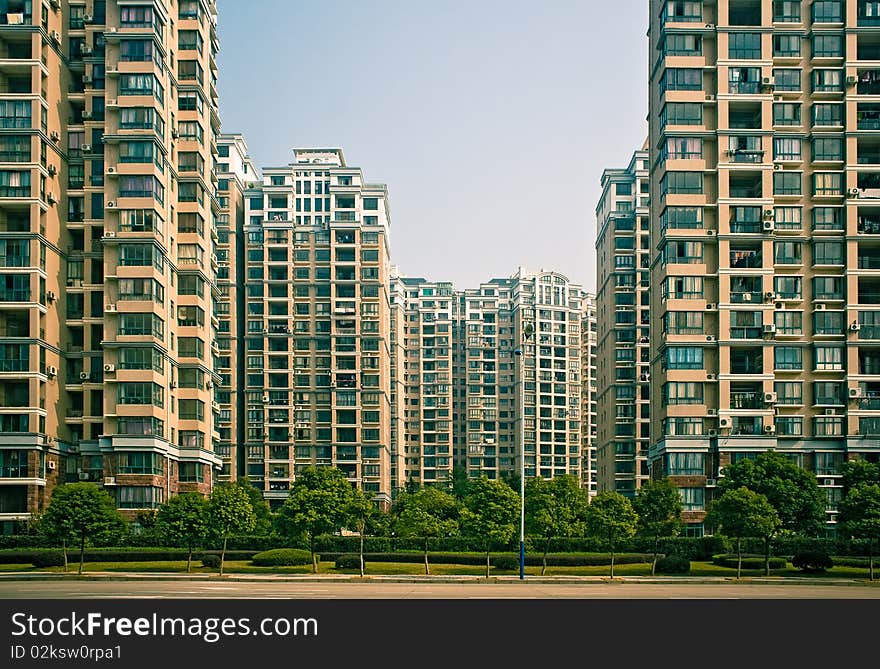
(749, 561)
(211, 561)
(350, 561)
(282, 557)
(812, 561)
(479, 559)
(673, 564)
(48, 559)
(115, 555)
(508, 562)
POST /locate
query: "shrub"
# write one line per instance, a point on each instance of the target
(282, 557)
(48, 559)
(533, 559)
(211, 561)
(812, 561)
(349, 561)
(508, 562)
(749, 561)
(673, 564)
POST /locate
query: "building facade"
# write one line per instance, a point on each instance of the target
(318, 325)
(624, 328)
(764, 183)
(108, 208)
(589, 393)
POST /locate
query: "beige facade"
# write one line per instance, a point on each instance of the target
(117, 215)
(624, 327)
(589, 393)
(765, 175)
(318, 331)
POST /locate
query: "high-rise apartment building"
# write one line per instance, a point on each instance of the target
(318, 324)
(765, 189)
(235, 172)
(589, 393)
(624, 327)
(108, 215)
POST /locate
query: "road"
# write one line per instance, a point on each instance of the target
(184, 589)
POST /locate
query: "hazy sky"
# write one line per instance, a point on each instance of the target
(490, 121)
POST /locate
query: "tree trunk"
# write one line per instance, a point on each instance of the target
(314, 557)
(544, 559)
(427, 567)
(487, 562)
(612, 560)
(64, 550)
(222, 556)
(362, 553)
(739, 557)
(654, 558)
(82, 552)
(189, 558)
(766, 556)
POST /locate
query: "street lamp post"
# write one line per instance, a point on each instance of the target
(527, 333)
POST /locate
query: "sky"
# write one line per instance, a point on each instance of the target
(490, 121)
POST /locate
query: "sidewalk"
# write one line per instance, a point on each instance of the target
(350, 578)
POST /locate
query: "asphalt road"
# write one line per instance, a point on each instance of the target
(378, 590)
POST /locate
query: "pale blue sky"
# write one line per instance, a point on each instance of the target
(490, 121)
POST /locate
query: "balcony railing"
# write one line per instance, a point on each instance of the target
(748, 400)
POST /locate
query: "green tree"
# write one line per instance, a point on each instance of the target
(229, 513)
(183, 520)
(658, 505)
(490, 512)
(860, 516)
(429, 513)
(744, 513)
(460, 483)
(318, 501)
(80, 512)
(555, 507)
(611, 516)
(859, 471)
(262, 513)
(360, 509)
(791, 490)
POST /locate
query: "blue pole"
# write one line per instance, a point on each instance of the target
(522, 560)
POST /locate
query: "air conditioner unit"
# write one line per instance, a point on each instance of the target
(712, 432)
(855, 393)
(830, 412)
(86, 148)
(710, 337)
(83, 476)
(769, 226)
(50, 198)
(746, 297)
(709, 97)
(52, 170)
(51, 464)
(50, 295)
(83, 375)
(768, 81)
(769, 429)
(111, 205)
(711, 26)
(711, 306)
(710, 233)
(54, 136)
(642, 340)
(645, 377)
(769, 328)
(770, 295)
(769, 398)
(109, 234)
(88, 18)
(265, 399)
(109, 367)
(777, 166)
(110, 308)
(55, 4)
(779, 305)
(827, 481)
(175, 134)
(51, 370)
(172, 385)
(768, 214)
(111, 102)
(820, 307)
(724, 421)
(56, 36)
(87, 51)
(852, 81)
(87, 79)
(711, 483)
(853, 192)
(111, 170)
(855, 326)
(109, 480)
(710, 377)
(712, 412)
